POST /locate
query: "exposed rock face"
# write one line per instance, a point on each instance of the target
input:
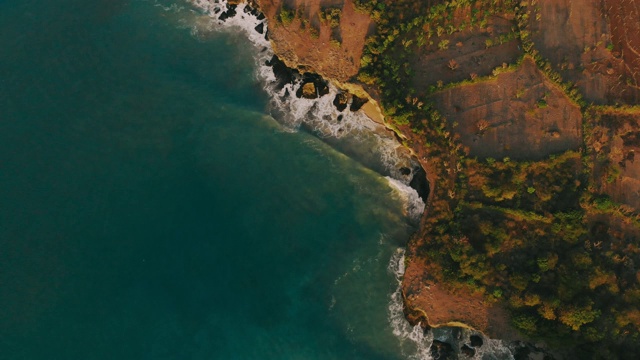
(260, 28)
(476, 341)
(420, 183)
(308, 41)
(468, 351)
(341, 101)
(231, 12)
(442, 350)
(284, 74)
(313, 86)
(357, 103)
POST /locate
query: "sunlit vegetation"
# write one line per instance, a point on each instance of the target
(538, 237)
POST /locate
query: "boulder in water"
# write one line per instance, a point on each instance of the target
(231, 12)
(283, 74)
(441, 350)
(476, 340)
(309, 91)
(468, 351)
(313, 86)
(259, 28)
(420, 183)
(341, 100)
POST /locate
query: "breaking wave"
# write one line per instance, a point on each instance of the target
(412, 337)
(416, 343)
(351, 132)
(413, 204)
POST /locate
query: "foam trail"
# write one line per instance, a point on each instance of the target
(414, 207)
(351, 132)
(419, 342)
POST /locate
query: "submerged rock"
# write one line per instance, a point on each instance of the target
(231, 12)
(468, 351)
(283, 74)
(260, 28)
(341, 101)
(441, 350)
(313, 86)
(476, 340)
(309, 91)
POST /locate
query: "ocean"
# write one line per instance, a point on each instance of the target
(158, 200)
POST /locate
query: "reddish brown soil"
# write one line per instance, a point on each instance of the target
(518, 124)
(299, 48)
(621, 143)
(574, 35)
(624, 16)
(467, 48)
(432, 303)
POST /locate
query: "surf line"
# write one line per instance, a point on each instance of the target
(309, 102)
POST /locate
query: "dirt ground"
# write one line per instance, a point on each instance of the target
(520, 115)
(443, 307)
(575, 35)
(297, 45)
(470, 53)
(624, 16)
(621, 143)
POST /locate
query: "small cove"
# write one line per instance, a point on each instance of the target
(152, 208)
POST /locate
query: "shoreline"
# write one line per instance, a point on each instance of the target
(372, 110)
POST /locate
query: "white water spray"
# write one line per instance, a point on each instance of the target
(356, 131)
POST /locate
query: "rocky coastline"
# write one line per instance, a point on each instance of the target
(452, 339)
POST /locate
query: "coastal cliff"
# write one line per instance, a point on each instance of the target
(523, 115)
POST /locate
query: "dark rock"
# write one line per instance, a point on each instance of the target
(313, 86)
(468, 351)
(340, 117)
(341, 100)
(357, 103)
(231, 12)
(260, 28)
(266, 34)
(476, 340)
(260, 16)
(216, 10)
(283, 74)
(441, 350)
(420, 183)
(308, 91)
(405, 171)
(526, 351)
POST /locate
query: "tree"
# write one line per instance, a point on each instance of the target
(575, 317)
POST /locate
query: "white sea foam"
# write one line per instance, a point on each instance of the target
(419, 342)
(414, 207)
(319, 115)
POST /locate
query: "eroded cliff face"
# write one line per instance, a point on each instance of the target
(323, 36)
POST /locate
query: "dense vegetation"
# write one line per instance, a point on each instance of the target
(539, 237)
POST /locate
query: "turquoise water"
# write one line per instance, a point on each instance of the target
(151, 209)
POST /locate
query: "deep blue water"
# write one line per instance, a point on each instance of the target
(150, 209)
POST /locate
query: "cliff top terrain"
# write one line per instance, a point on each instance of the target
(525, 116)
